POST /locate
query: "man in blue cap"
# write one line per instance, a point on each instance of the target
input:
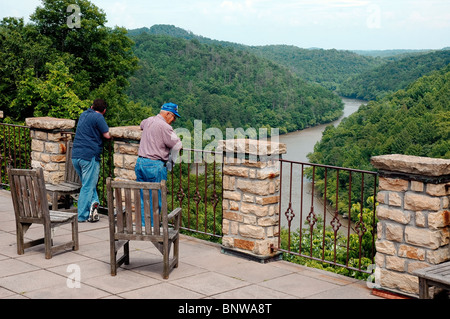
(157, 142)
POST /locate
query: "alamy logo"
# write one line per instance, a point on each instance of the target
(373, 280)
(74, 20)
(374, 18)
(74, 278)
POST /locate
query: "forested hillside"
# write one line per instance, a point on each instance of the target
(393, 75)
(225, 87)
(415, 121)
(48, 69)
(328, 68)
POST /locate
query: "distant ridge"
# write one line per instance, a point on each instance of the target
(328, 68)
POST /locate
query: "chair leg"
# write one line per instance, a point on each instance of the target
(113, 257)
(423, 289)
(48, 241)
(55, 201)
(76, 244)
(20, 239)
(176, 245)
(126, 252)
(166, 260)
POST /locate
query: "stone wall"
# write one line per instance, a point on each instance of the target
(250, 188)
(126, 147)
(48, 145)
(251, 182)
(414, 219)
(413, 210)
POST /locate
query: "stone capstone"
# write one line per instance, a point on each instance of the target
(412, 164)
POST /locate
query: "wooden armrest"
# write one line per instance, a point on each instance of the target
(174, 213)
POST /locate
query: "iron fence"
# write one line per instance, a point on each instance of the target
(195, 184)
(327, 215)
(15, 149)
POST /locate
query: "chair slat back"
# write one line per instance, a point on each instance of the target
(70, 174)
(28, 193)
(125, 197)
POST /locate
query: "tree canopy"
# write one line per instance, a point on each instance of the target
(49, 68)
(414, 121)
(393, 75)
(226, 87)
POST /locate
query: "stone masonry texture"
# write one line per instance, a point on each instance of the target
(414, 219)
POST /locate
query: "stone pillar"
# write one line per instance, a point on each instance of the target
(251, 182)
(126, 147)
(48, 145)
(414, 219)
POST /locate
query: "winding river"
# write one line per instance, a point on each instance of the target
(299, 144)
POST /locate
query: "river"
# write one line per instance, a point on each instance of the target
(299, 144)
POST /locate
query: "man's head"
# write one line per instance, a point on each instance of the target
(170, 112)
(100, 106)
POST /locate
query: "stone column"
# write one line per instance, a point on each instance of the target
(251, 182)
(48, 145)
(126, 147)
(414, 219)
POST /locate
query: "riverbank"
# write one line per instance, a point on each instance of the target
(299, 144)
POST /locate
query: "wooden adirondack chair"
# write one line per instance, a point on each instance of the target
(124, 210)
(31, 207)
(71, 184)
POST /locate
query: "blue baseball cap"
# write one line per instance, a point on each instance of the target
(171, 107)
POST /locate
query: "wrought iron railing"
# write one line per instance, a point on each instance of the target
(327, 215)
(195, 184)
(15, 149)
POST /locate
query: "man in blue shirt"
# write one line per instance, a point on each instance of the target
(87, 147)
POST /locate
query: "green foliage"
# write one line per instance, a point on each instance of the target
(414, 121)
(328, 68)
(52, 96)
(342, 253)
(49, 69)
(393, 75)
(200, 197)
(226, 87)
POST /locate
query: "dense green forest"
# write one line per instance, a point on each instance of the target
(226, 87)
(414, 121)
(48, 69)
(328, 68)
(393, 75)
(355, 74)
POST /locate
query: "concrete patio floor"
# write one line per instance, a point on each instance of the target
(204, 272)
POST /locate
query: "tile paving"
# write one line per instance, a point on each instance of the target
(204, 272)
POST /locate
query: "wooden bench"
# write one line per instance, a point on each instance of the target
(71, 184)
(125, 224)
(436, 276)
(31, 207)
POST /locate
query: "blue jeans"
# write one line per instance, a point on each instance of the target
(152, 171)
(88, 172)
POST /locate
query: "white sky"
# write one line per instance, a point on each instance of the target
(339, 24)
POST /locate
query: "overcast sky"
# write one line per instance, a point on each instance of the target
(339, 24)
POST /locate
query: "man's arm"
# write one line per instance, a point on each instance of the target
(107, 135)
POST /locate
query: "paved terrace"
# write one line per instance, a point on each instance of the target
(204, 272)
